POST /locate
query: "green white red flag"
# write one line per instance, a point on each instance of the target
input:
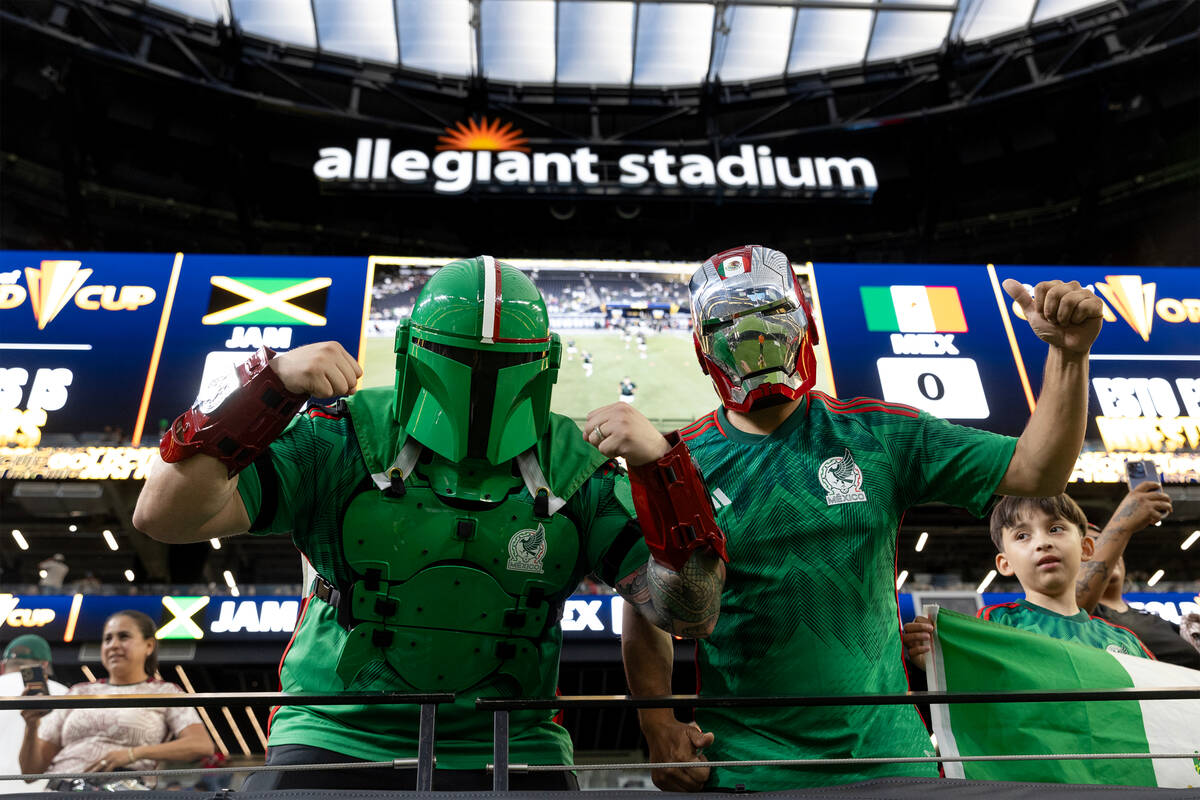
(972, 655)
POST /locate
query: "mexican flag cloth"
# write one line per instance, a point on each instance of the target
(972, 655)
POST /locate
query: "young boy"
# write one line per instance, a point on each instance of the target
(1043, 541)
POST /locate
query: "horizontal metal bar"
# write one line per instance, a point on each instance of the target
(831, 762)
(396, 763)
(906, 698)
(208, 699)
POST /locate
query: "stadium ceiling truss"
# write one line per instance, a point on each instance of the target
(983, 52)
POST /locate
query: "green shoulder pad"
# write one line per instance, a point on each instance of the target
(566, 459)
(373, 417)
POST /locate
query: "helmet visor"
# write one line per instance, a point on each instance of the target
(485, 366)
(753, 335)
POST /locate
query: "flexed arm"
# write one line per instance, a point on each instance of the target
(191, 494)
(685, 603)
(679, 588)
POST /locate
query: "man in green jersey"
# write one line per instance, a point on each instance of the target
(1043, 541)
(447, 519)
(811, 490)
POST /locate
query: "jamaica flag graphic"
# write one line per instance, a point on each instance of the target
(267, 301)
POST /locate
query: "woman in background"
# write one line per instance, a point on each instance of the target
(110, 739)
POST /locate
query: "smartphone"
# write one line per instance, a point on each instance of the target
(1137, 472)
(35, 679)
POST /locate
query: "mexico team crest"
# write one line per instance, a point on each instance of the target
(842, 479)
(526, 549)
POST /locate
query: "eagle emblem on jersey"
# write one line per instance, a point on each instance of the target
(842, 480)
(526, 549)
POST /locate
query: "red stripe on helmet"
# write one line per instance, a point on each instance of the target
(499, 302)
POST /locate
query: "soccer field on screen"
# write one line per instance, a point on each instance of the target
(671, 389)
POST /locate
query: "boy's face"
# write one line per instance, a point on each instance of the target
(1044, 552)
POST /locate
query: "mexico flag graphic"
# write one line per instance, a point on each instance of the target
(971, 655)
(913, 309)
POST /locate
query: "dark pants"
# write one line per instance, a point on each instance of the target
(384, 777)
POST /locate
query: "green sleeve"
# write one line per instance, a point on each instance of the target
(937, 461)
(280, 486)
(613, 542)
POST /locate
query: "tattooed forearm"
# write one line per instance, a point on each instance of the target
(1091, 573)
(686, 603)
(635, 588)
(690, 595)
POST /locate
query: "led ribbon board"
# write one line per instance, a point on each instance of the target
(221, 618)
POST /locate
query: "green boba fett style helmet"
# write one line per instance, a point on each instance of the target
(475, 362)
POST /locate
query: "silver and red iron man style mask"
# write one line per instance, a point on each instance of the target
(753, 329)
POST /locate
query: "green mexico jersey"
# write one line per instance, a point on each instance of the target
(812, 512)
(1081, 628)
(303, 488)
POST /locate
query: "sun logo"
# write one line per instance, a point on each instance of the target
(52, 286)
(483, 135)
(1132, 299)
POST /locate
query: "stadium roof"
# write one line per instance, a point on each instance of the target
(631, 43)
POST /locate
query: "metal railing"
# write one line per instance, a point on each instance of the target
(501, 767)
(425, 761)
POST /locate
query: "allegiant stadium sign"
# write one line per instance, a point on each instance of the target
(496, 157)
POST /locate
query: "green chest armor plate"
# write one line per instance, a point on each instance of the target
(452, 597)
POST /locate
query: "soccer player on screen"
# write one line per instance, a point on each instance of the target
(812, 492)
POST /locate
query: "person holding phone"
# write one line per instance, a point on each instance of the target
(112, 739)
(1102, 580)
(25, 669)
(1145, 504)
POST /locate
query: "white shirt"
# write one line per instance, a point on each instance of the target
(55, 572)
(12, 731)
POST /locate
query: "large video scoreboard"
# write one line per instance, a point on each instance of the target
(98, 351)
(949, 340)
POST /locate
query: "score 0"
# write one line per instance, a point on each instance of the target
(945, 387)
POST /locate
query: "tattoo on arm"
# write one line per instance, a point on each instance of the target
(1091, 570)
(685, 603)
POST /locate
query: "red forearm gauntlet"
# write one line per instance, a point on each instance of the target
(245, 422)
(673, 507)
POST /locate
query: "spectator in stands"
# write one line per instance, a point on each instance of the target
(1102, 577)
(28, 650)
(88, 584)
(812, 491)
(1163, 638)
(1043, 542)
(55, 569)
(115, 739)
(1141, 507)
(1189, 630)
